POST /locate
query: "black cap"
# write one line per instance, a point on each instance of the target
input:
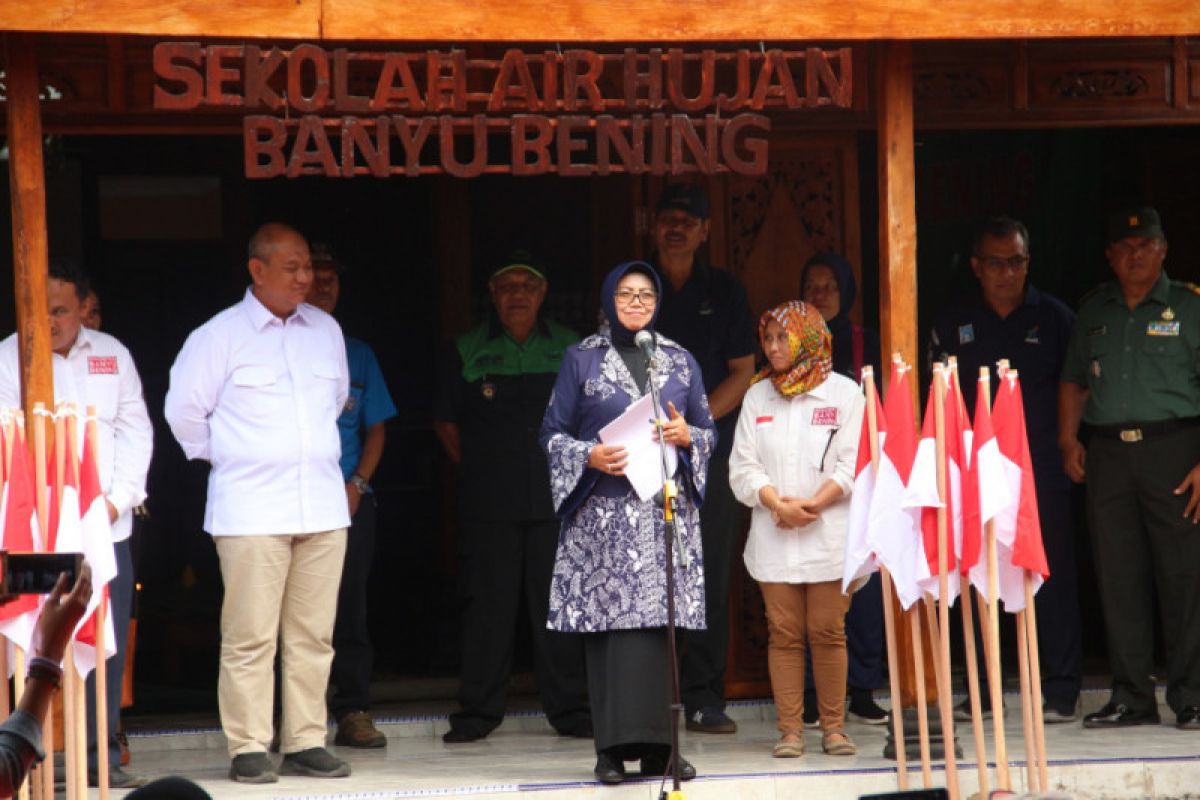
(1141, 221)
(682, 197)
(322, 257)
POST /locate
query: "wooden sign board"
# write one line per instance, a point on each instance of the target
(342, 113)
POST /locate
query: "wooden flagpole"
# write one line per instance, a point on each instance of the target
(889, 620)
(991, 630)
(1035, 685)
(914, 626)
(9, 433)
(101, 661)
(1031, 773)
(70, 686)
(945, 704)
(79, 731)
(968, 623)
(43, 516)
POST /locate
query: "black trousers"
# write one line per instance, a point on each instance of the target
(1143, 545)
(353, 655)
(500, 561)
(702, 670)
(1060, 638)
(120, 592)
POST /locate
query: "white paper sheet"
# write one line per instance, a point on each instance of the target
(633, 431)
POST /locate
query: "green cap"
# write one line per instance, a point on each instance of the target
(1142, 221)
(519, 259)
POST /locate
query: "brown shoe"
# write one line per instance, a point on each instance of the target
(123, 741)
(357, 729)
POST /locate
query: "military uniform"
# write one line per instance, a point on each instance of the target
(1141, 368)
(496, 390)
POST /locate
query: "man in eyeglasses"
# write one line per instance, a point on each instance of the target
(1132, 377)
(705, 309)
(488, 408)
(1009, 318)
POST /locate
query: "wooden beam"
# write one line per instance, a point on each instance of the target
(897, 203)
(607, 20)
(27, 183)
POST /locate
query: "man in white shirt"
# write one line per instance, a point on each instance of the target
(256, 391)
(93, 368)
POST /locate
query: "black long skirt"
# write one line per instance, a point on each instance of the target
(630, 691)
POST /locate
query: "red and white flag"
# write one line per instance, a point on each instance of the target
(922, 489)
(893, 531)
(19, 618)
(1018, 526)
(96, 544)
(985, 492)
(860, 558)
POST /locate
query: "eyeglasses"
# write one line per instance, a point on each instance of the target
(685, 221)
(998, 264)
(1126, 248)
(626, 297)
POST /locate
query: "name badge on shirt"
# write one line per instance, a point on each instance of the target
(825, 416)
(966, 334)
(1163, 328)
(102, 365)
(1031, 336)
(761, 421)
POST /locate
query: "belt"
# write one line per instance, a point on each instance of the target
(1130, 432)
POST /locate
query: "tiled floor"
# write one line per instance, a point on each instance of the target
(525, 756)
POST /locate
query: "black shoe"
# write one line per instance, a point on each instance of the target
(461, 735)
(1119, 715)
(253, 768)
(118, 779)
(609, 770)
(711, 720)
(656, 765)
(315, 762)
(1188, 719)
(1055, 713)
(864, 708)
(962, 711)
(580, 730)
(812, 714)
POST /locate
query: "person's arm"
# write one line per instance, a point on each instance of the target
(133, 445)
(448, 435)
(196, 379)
(1071, 401)
(728, 394)
(372, 451)
(20, 735)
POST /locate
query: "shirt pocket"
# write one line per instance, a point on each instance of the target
(818, 445)
(1164, 360)
(1102, 358)
(325, 384)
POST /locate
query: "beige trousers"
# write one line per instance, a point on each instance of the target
(277, 589)
(812, 616)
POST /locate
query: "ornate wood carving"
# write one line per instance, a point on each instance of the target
(1104, 84)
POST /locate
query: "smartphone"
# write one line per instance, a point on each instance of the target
(36, 573)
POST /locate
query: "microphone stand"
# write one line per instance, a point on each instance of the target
(670, 496)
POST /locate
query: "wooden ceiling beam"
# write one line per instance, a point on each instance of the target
(608, 20)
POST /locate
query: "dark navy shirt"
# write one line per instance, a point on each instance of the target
(710, 317)
(1034, 339)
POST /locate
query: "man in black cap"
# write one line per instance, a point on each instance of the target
(705, 309)
(1132, 376)
(489, 406)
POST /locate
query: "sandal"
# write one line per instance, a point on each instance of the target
(790, 745)
(837, 743)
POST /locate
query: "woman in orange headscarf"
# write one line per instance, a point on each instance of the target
(793, 463)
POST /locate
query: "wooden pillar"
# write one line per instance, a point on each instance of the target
(898, 268)
(28, 189)
(897, 204)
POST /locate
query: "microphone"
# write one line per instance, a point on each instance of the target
(646, 340)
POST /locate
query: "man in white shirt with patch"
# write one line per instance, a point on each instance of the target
(256, 391)
(94, 369)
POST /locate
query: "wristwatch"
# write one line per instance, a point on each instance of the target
(360, 483)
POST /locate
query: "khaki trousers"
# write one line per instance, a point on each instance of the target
(277, 589)
(802, 615)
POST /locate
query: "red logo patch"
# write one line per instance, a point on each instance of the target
(102, 365)
(763, 420)
(824, 416)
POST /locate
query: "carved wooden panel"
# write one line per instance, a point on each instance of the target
(1112, 83)
(963, 86)
(1194, 81)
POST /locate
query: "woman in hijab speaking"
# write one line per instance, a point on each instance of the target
(793, 463)
(609, 579)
